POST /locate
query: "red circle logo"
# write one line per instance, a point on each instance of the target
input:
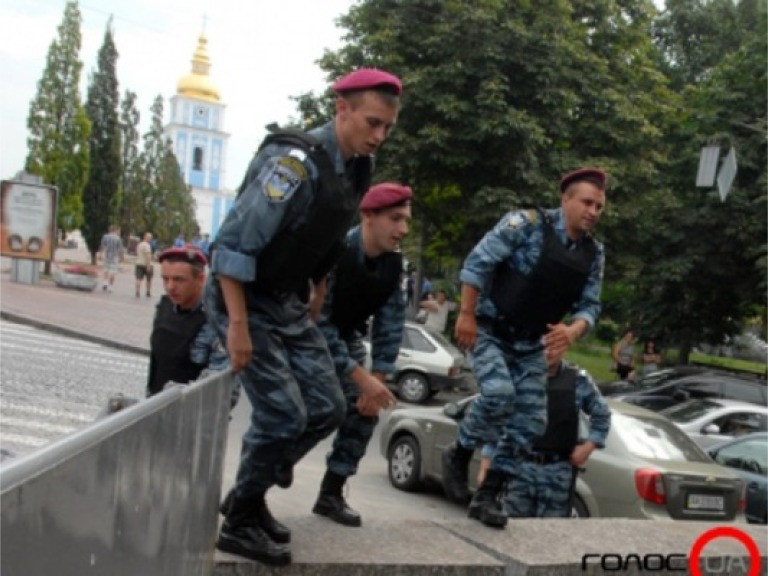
(724, 532)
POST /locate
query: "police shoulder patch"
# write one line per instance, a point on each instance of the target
(517, 219)
(283, 177)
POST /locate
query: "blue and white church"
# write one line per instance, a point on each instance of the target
(196, 130)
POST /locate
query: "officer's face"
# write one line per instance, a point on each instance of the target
(363, 122)
(384, 229)
(582, 203)
(182, 283)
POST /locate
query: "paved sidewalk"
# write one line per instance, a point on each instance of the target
(116, 318)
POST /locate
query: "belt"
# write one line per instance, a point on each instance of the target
(543, 458)
(506, 331)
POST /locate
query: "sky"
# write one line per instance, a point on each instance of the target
(262, 52)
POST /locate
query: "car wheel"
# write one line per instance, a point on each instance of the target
(413, 387)
(405, 463)
(578, 508)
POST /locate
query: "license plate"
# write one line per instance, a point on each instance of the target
(702, 502)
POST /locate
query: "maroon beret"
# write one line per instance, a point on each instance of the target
(188, 253)
(593, 175)
(385, 195)
(366, 79)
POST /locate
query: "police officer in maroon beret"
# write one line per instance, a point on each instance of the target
(519, 283)
(364, 285)
(283, 234)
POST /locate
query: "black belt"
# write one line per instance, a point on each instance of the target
(543, 458)
(504, 330)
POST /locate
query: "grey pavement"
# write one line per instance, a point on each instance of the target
(383, 545)
(116, 318)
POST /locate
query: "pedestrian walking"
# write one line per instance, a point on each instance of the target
(111, 245)
(144, 268)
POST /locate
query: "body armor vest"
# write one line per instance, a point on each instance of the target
(562, 417)
(171, 340)
(310, 250)
(546, 294)
(360, 290)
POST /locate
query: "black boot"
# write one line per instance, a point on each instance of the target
(276, 530)
(331, 503)
(485, 503)
(284, 475)
(240, 534)
(456, 472)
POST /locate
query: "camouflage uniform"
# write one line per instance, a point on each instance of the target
(511, 373)
(291, 383)
(544, 490)
(348, 352)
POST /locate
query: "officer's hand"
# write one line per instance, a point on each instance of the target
(377, 391)
(367, 406)
(581, 454)
(557, 340)
(466, 331)
(239, 345)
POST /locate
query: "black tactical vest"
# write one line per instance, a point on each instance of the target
(554, 285)
(310, 250)
(171, 340)
(562, 416)
(360, 290)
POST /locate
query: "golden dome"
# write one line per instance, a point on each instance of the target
(197, 84)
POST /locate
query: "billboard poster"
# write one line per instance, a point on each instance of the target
(27, 220)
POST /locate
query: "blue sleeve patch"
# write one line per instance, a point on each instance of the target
(283, 178)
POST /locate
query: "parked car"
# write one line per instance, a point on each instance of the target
(426, 364)
(711, 384)
(650, 380)
(748, 457)
(649, 468)
(711, 421)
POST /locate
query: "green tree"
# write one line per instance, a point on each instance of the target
(169, 207)
(101, 192)
(502, 97)
(58, 125)
(705, 259)
(131, 213)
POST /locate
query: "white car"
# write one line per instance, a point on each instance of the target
(711, 421)
(426, 364)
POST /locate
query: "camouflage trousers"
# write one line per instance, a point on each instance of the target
(511, 410)
(355, 432)
(295, 395)
(539, 491)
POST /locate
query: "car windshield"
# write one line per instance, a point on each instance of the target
(440, 338)
(690, 411)
(655, 378)
(655, 438)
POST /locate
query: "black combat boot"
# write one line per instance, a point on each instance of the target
(331, 503)
(456, 472)
(487, 494)
(284, 475)
(276, 530)
(240, 534)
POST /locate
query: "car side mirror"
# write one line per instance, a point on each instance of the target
(711, 429)
(451, 410)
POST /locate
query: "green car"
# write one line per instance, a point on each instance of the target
(649, 468)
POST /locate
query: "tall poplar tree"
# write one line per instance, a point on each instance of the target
(131, 212)
(100, 193)
(168, 203)
(58, 126)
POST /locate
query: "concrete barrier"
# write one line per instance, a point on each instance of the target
(133, 493)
